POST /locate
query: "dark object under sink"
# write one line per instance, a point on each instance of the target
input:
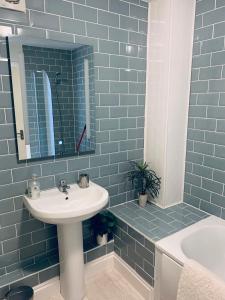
(20, 293)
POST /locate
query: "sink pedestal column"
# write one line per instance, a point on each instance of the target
(70, 239)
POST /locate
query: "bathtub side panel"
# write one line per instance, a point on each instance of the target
(167, 274)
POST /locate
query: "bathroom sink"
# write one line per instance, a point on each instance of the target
(55, 207)
(68, 211)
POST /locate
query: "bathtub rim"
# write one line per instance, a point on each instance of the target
(171, 245)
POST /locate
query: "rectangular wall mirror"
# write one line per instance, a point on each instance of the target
(54, 97)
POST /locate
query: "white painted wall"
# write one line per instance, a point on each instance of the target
(170, 42)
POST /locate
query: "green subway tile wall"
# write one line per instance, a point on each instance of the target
(117, 30)
(205, 160)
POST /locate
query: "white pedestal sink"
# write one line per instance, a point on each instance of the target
(68, 212)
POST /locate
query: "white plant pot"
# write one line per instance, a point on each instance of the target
(150, 199)
(143, 200)
(102, 240)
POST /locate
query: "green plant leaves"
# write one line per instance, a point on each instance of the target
(144, 179)
(104, 222)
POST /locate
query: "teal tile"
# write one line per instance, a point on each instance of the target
(110, 47)
(108, 74)
(194, 217)
(85, 13)
(199, 86)
(109, 100)
(217, 85)
(220, 126)
(109, 147)
(137, 38)
(98, 4)
(118, 35)
(210, 73)
(191, 200)
(182, 218)
(42, 20)
(118, 87)
(201, 61)
(215, 138)
(198, 21)
(143, 27)
(203, 148)
(202, 171)
(214, 16)
(138, 12)
(72, 26)
(126, 123)
(118, 61)
(97, 31)
(163, 217)
(36, 5)
(195, 211)
(204, 33)
(220, 151)
(212, 186)
(108, 18)
(109, 124)
(178, 225)
(119, 7)
(219, 29)
(195, 134)
(118, 112)
(128, 23)
(213, 162)
(210, 208)
(59, 8)
(204, 6)
(128, 75)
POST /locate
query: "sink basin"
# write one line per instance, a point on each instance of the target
(54, 207)
(68, 211)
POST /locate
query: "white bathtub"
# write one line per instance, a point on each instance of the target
(203, 241)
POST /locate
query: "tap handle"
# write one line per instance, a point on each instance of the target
(63, 184)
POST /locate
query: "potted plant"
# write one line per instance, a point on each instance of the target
(103, 225)
(145, 181)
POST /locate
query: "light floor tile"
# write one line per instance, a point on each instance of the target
(111, 286)
(107, 285)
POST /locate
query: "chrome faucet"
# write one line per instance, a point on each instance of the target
(63, 187)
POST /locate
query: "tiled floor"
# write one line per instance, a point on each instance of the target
(111, 285)
(156, 223)
(107, 285)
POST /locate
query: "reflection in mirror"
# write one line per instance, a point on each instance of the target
(53, 83)
(40, 114)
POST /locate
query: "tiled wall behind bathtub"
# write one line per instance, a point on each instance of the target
(205, 160)
(117, 30)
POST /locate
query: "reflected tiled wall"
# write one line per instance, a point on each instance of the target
(117, 31)
(52, 61)
(205, 160)
(80, 107)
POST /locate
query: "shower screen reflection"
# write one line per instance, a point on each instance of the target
(59, 99)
